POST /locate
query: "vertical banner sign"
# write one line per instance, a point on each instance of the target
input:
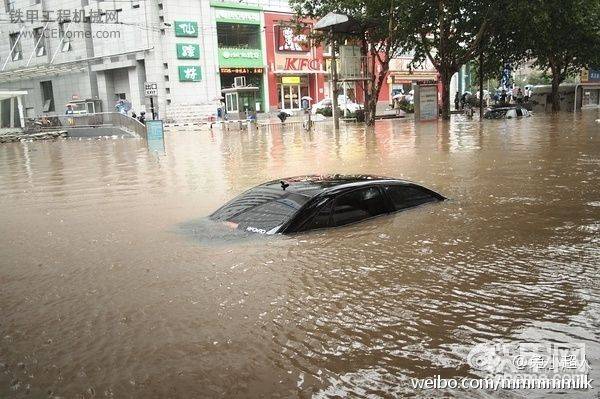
(155, 136)
(186, 29)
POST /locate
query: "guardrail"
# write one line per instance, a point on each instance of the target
(115, 119)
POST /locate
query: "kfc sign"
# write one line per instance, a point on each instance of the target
(301, 64)
(288, 39)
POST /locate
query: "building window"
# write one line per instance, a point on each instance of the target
(64, 36)
(238, 35)
(15, 44)
(39, 41)
(9, 5)
(47, 95)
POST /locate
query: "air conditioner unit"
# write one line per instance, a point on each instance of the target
(239, 81)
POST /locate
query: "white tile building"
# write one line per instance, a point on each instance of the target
(106, 50)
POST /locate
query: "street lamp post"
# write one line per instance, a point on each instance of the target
(335, 23)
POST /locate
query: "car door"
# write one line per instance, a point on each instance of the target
(357, 205)
(318, 219)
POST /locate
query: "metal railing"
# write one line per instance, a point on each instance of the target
(115, 119)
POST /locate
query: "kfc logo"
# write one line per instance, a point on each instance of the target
(301, 64)
(289, 40)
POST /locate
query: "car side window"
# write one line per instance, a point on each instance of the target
(358, 205)
(408, 196)
(320, 219)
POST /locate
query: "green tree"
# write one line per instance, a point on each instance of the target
(564, 37)
(448, 32)
(376, 32)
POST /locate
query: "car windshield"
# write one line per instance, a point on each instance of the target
(261, 209)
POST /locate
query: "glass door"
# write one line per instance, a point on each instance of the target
(294, 96)
(289, 97)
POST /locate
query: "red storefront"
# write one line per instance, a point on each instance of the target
(295, 68)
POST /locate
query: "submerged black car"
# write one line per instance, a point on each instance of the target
(314, 202)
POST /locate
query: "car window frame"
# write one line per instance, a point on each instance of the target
(386, 202)
(304, 214)
(437, 197)
(329, 201)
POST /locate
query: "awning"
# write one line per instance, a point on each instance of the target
(40, 71)
(288, 72)
(45, 70)
(5, 94)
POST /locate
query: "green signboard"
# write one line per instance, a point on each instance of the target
(188, 51)
(186, 29)
(190, 73)
(240, 58)
(237, 16)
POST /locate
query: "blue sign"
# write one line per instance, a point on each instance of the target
(594, 75)
(155, 136)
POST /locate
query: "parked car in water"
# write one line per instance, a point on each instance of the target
(313, 202)
(506, 113)
(344, 103)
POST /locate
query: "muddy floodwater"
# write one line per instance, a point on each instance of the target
(113, 285)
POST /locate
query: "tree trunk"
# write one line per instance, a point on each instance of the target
(445, 77)
(555, 97)
(375, 90)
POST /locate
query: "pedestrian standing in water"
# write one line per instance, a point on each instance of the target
(503, 97)
(519, 96)
(456, 100)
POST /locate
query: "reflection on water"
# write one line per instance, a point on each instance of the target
(113, 284)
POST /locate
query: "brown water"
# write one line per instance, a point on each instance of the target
(112, 285)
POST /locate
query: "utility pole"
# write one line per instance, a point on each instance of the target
(334, 81)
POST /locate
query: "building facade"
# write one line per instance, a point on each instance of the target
(94, 53)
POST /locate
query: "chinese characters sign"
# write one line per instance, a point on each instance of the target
(242, 71)
(186, 29)
(240, 58)
(236, 16)
(189, 73)
(188, 51)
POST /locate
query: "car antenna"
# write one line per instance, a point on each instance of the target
(284, 185)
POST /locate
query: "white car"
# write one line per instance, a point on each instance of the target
(343, 103)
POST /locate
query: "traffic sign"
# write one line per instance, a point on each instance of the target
(151, 89)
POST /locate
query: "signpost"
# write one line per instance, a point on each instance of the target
(426, 102)
(151, 90)
(155, 136)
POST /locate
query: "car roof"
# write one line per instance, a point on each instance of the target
(313, 185)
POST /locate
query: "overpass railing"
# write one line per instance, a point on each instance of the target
(114, 119)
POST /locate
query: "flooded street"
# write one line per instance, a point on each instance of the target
(113, 285)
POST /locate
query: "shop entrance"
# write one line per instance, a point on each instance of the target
(290, 94)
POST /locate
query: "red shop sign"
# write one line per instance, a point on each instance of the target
(301, 64)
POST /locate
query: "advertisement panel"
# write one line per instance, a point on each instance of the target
(290, 40)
